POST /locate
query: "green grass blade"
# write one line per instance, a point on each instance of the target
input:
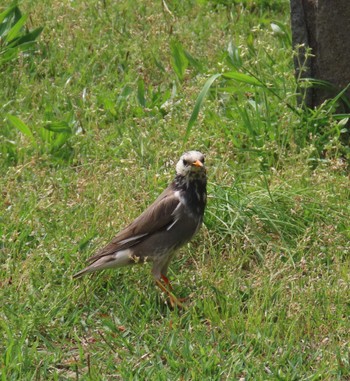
(245, 78)
(233, 56)
(15, 30)
(194, 62)
(59, 127)
(29, 37)
(199, 103)
(20, 125)
(6, 12)
(8, 55)
(141, 93)
(179, 60)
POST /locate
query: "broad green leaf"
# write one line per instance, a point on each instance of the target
(59, 140)
(59, 127)
(14, 31)
(194, 62)
(29, 37)
(20, 47)
(8, 55)
(245, 78)
(6, 12)
(341, 116)
(45, 135)
(199, 103)
(179, 60)
(21, 126)
(141, 93)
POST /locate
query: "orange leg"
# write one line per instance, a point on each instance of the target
(167, 282)
(174, 301)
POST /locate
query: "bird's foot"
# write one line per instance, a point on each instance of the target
(167, 288)
(174, 301)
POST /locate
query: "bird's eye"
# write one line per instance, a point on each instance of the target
(203, 160)
(185, 162)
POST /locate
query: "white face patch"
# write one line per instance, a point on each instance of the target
(184, 167)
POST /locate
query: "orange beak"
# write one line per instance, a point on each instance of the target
(197, 163)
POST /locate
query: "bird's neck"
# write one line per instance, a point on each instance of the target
(194, 191)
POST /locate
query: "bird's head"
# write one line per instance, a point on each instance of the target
(191, 163)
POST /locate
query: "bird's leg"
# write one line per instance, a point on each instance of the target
(170, 287)
(174, 301)
(167, 282)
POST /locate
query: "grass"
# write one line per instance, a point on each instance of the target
(92, 123)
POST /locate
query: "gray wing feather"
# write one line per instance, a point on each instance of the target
(159, 215)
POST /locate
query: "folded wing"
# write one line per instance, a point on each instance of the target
(158, 216)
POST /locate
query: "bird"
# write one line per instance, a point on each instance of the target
(166, 225)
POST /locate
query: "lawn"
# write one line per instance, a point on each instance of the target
(93, 118)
